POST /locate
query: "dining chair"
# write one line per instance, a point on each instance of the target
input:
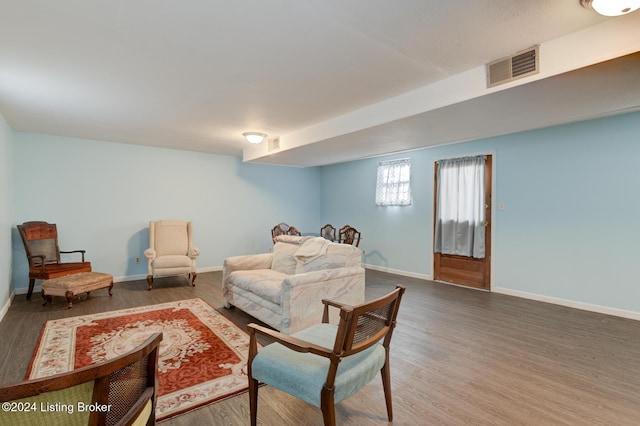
(349, 235)
(283, 229)
(328, 232)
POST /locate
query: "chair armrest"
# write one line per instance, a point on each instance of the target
(333, 303)
(242, 263)
(74, 251)
(292, 343)
(193, 252)
(150, 253)
(327, 303)
(42, 257)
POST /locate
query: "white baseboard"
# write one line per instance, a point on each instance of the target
(399, 272)
(144, 276)
(210, 269)
(569, 303)
(525, 295)
(7, 305)
(124, 278)
(25, 290)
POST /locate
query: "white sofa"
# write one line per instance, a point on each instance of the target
(284, 289)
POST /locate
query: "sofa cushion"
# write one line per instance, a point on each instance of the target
(284, 251)
(265, 283)
(337, 256)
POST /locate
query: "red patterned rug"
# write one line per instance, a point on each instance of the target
(203, 356)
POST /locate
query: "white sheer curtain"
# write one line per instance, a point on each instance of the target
(460, 210)
(393, 185)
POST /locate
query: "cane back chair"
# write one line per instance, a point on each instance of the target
(119, 391)
(327, 363)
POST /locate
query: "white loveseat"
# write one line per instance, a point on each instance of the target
(284, 289)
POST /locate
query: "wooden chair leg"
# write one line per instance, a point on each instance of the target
(253, 401)
(386, 385)
(193, 279)
(328, 407)
(32, 283)
(150, 282)
(69, 296)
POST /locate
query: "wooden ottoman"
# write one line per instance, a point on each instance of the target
(71, 285)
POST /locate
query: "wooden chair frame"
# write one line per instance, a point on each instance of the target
(354, 335)
(42, 267)
(104, 375)
(283, 229)
(349, 235)
(328, 232)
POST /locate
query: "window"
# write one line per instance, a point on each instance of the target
(393, 187)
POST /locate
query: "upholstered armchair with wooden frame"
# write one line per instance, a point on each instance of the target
(283, 229)
(328, 232)
(40, 241)
(171, 250)
(326, 363)
(349, 235)
(123, 389)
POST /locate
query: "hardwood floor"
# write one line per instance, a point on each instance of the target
(458, 356)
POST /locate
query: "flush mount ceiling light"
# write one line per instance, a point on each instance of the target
(611, 7)
(254, 137)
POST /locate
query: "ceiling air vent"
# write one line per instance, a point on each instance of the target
(274, 144)
(520, 65)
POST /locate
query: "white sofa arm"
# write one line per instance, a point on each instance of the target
(302, 295)
(150, 253)
(193, 252)
(247, 262)
(242, 263)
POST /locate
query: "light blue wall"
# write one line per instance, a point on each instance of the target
(568, 231)
(570, 225)
(102, 195)
(6, 139)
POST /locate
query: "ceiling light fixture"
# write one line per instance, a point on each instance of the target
(254, 137)
(611, 7)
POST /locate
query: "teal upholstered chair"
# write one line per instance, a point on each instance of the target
(327, 363)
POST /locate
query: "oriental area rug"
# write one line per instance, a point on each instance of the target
(202, 357)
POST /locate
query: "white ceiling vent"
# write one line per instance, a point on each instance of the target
(520, 65)
(274, 144)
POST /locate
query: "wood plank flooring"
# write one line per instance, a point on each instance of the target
(458, 356)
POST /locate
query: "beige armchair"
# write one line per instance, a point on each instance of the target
(171, 250)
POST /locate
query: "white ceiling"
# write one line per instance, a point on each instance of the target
(324, 75)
